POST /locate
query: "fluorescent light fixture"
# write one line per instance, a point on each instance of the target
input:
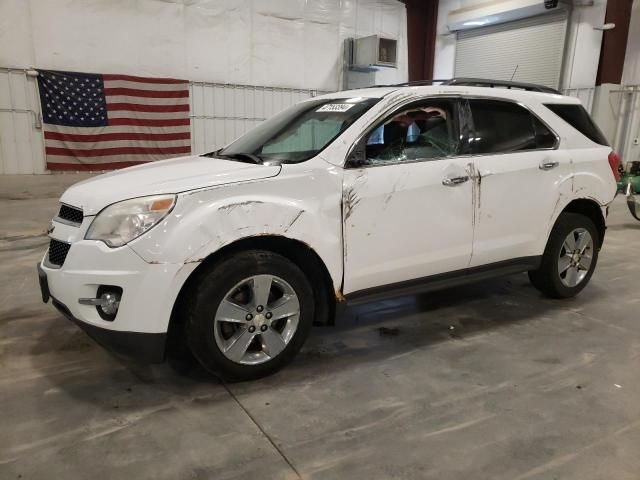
(496, 12)
(475, 23)
(606, 26)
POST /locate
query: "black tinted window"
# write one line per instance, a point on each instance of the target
(545, 138)
(578, 118)
(507, 127)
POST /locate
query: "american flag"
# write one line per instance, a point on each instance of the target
(99, 122)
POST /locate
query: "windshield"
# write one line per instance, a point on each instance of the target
(300, 132)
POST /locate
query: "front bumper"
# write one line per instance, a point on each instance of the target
(149, 291)
(147, 347)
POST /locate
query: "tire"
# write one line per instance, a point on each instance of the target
(217, 332)
(550, 278)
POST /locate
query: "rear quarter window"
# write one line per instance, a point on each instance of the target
(576, 116)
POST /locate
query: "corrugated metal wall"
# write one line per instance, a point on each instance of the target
(526, 50)
(221, 113)
(21, 143)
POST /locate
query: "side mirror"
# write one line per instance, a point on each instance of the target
(358, 156)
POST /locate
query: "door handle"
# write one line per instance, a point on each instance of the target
(453, 181)
(546, 165)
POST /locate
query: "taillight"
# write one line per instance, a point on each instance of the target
(615, 163)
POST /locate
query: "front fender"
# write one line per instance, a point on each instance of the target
(300, 205)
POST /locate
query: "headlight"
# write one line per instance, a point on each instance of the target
(121, 222)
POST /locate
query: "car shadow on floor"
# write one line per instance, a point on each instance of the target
(624, 226)
(363, 334)
(370, 333)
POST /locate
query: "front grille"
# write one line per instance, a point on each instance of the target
(58, 252)
(70, 214)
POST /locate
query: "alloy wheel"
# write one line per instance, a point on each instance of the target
(256, 319)
(576, 255)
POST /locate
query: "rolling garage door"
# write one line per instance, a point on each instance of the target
(535, 45)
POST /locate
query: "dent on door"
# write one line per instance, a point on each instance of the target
(406, 221)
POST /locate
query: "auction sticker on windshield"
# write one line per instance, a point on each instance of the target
(335, 107)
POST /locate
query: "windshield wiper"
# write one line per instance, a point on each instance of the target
(211, 154)
(243, 157)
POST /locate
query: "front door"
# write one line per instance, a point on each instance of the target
(407, 207)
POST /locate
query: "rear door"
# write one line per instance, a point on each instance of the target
(519, 172)
(407, 204)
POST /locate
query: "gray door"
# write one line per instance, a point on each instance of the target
(535, 45)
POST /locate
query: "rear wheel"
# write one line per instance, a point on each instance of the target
(249, 315)
(569, 258)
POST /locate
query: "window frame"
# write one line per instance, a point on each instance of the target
(465, 127)
(471, 126)
(459, 124)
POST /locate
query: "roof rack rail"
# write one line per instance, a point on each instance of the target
(483, 82)
(417, 83)
(478, 82)
(473, 82)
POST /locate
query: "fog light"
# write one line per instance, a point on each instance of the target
(110, 303)
(107, 301)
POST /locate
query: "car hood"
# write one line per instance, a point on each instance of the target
(166, 176)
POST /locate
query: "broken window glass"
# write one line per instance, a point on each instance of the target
(423, 131)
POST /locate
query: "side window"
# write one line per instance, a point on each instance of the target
(576, 116)
(502, 127)
(545, 138)
(422, 131)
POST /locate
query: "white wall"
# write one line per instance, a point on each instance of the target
(274, 43)
(583, 43)
(289, 43)
(445, 54)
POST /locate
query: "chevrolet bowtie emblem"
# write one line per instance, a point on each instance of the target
(51, 228)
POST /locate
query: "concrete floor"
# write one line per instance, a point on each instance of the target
(489, 381)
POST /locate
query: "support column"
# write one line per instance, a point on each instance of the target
(614, 42)
(422, 19)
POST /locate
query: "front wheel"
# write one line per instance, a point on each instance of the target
(569, 258)
(249, 315)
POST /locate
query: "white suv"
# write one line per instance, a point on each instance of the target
(352, 196)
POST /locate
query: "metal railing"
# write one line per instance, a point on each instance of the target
(624, 102)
